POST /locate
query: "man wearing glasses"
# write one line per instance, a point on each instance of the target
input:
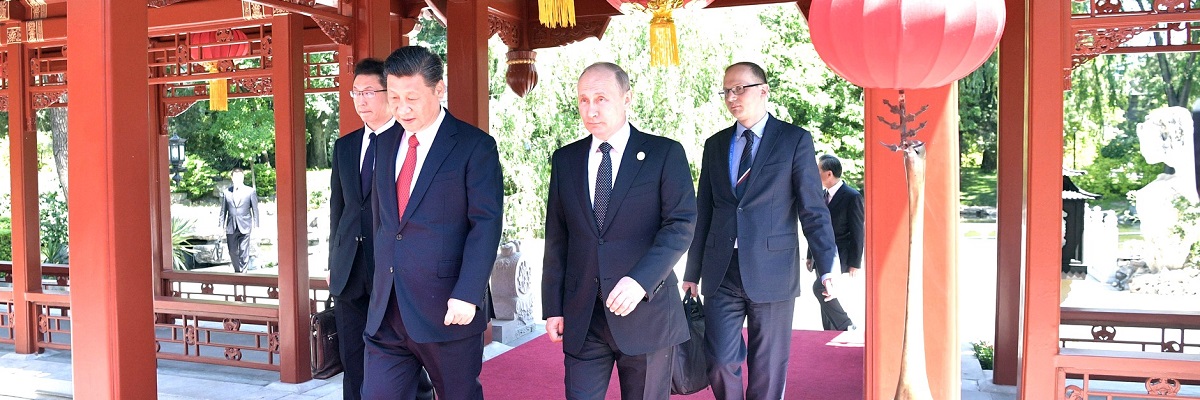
(351, 262)
(757, 181)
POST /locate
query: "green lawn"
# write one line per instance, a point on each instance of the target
(976, 187)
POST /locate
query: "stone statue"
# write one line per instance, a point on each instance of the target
(512, 297)
(1167, 137)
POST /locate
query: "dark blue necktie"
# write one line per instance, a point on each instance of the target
(744, 165)
(368, 167)
(603, 185)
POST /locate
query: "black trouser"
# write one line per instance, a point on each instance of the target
(642, 376)
(833, 317)
(239, 249)
(394, 362)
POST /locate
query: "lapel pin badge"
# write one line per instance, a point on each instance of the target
(641, 155)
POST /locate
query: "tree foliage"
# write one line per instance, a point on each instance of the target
(676, 102)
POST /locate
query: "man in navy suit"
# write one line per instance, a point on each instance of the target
(437, 218)
(846, 211)
(351, 258)
(620, 214)
(757, 181)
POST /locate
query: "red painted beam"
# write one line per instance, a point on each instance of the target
(23, 168)
(1048, 58)
(467, 61)
(110, 199)
(1010, 196)
(292, 200)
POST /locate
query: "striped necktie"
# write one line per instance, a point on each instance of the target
(747, 158)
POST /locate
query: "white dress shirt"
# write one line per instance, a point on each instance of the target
(618, 141)
(424, 140)
(366, 140)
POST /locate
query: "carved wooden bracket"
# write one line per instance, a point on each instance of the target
(542, 37)
(507, 29)
(42, 100)
(261, 85)
(338, 32)
(162, 3)
(1090, 43)
(4, 103)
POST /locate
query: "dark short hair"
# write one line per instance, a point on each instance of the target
(617, 71)
(832, 164)
(237, 170)
(413, 61)
(754, 69)
(371, 66)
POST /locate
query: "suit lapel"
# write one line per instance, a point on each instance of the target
(770, 137)
(630, 166)
(385, 175)
(580, 159)
(443, 144)
(725, 142)
(349, 159)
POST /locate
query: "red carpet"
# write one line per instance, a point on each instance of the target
(818, 369)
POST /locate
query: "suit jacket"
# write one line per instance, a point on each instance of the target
(444, 245)
(239, 209)
(350, 213)
(784, 189)
(846, 212)
(650, 220)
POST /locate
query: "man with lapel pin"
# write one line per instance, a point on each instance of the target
(757, 181)
(620, 214)
(351, 258)
(437, 205)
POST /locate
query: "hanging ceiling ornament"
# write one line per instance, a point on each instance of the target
(664, 45)
(556, 13)
(215, 50)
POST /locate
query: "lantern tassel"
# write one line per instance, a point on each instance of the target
(556, 13)
(218, 90)
(218, 94)
(664, 45)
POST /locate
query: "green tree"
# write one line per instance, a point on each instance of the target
(978, 112)
(810, 95)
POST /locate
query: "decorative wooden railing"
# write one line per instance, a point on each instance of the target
(212, 318)
(1131, 346)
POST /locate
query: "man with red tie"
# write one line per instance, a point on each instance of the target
(437, 219)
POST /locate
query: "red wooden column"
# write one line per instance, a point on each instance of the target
(292, 198)
(23, 160)
(467, 60)
(1010, 197)
(1045, 71)
(887, 242)
(372, 38)
(110, 197)
(160, 194)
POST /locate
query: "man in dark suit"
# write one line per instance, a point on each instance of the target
(438, 201)
(620, 214)
(239, 216)
(351, 258)
(746, 248)
(846, 212)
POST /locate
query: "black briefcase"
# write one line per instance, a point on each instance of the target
(689, 369)
(326, 358)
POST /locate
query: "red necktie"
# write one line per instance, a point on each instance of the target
(406, 175)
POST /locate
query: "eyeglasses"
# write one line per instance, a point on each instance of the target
(366, 94)
(738, 90)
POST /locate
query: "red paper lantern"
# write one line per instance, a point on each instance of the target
(202, 48)
(905, 44)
